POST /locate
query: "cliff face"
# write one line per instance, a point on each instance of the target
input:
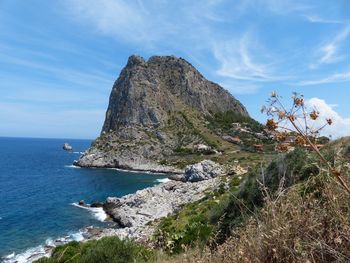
(152, 110)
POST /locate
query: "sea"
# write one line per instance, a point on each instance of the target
(39, 190)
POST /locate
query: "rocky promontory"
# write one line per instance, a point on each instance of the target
(134, 212)
(157, 108)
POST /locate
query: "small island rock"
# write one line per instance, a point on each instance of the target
(67, 147)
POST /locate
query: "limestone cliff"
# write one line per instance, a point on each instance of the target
(156, 107)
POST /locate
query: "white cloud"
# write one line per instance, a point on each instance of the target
(318, 19)
(121, 19)
(340, 126)
(146, 22)
(237, 61)
(337, 77)
(329, 52)
(239, 88)
(278, 7)
(286, 6)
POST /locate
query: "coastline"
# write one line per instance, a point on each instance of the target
(141, 208)
(166, 171)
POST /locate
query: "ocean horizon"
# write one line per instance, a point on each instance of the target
(39, 190)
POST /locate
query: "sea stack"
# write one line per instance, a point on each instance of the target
(67, 147)
(156, 107)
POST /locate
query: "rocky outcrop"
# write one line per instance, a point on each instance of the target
(152, 110)
(134, 211)
(67, 147)
(201, 171)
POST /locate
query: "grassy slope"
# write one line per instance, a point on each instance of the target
(198, 129)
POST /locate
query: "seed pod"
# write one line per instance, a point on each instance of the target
(271, 124)
(314, 115)
(281, 115)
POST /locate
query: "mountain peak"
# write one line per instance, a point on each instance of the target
(152, 110)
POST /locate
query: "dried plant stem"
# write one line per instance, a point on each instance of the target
(334, 172)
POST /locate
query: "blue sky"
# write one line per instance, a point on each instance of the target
(59, 59)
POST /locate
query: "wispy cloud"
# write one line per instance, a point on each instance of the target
(329, 52)
(238, 88)
(121, 19)
(286, 6)
(238, 62)
(93, 79)
(318, 19)
(334, 78)
(147, 22)
(73, 123)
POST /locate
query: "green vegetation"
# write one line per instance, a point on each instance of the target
(183, 151)
(224, 120)
(284, 169)
(107, 249)
(199, 131)
(196, 223)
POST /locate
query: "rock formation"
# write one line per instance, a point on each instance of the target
(136, 210)
(153, 110)
(67, 147)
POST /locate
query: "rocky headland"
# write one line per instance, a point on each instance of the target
(157, 110)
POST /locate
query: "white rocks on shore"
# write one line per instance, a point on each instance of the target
(132, 212)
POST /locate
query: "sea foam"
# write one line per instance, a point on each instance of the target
(97, 212)
(163, 180)
(37, 252)
(72, 166)
(29, 255)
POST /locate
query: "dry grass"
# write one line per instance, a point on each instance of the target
(308, 223)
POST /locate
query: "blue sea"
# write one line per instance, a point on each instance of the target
(39, 184)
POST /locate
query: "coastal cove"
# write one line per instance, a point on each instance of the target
(39, 185)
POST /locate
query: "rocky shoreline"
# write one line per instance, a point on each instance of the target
(133, 213)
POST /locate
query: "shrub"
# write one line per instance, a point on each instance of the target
(107, 249)
(224, 120)
(290, 168)
(195, 225)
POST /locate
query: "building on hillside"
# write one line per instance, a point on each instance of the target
(201, 147)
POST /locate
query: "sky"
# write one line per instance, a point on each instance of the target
(59, 59)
